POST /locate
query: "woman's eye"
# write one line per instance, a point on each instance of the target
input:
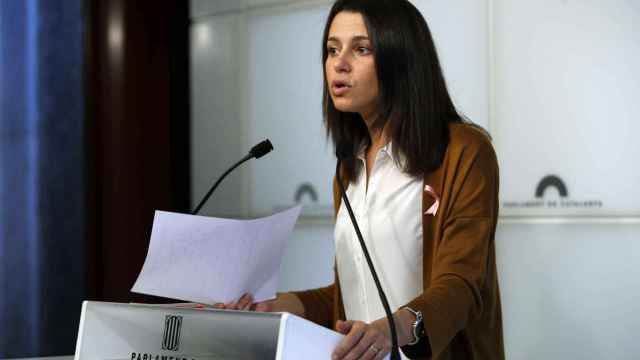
(332, 51)
(363, 50)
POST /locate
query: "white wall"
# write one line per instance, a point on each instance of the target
(217, 128)
(570, 291)
(566, 81)
(284, 104)
(553, 80)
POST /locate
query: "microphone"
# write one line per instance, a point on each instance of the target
(342, 153)
(258, 151)
(262, 149)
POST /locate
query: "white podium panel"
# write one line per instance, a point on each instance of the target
(566, 112)
(124, 331)
(160, 332)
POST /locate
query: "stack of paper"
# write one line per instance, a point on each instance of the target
(211, 260)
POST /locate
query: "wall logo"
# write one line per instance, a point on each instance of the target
(564, 202)
(306, 189)
(551, 181)
(306, 196)
(171, 335)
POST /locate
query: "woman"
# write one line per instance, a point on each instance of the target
(423, 184)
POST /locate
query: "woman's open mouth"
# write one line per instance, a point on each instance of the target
(340, 87)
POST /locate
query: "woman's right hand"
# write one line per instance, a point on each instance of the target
(246, 303)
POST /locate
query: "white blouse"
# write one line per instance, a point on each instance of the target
(389, 216)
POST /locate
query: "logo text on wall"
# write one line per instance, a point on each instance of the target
(564, 202)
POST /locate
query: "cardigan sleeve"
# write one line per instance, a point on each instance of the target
(318, 304)
(454, 296)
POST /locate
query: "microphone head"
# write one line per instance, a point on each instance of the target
(261, 149)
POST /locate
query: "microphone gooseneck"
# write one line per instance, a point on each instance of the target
(341, 153)
(257, 152)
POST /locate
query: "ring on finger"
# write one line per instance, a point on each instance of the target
(375, 349)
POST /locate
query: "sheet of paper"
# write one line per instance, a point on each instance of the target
(209, 260)
(302, 339)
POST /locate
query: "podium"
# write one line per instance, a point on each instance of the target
(161, 332)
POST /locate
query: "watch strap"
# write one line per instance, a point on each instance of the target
(417, 326)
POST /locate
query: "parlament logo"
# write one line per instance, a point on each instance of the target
(171, 335)
(551, 181)
(564, 201)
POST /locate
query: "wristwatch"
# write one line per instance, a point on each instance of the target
(417, 326)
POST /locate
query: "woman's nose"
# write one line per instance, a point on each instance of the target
(342, 64)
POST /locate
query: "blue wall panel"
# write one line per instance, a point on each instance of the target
(42, 192)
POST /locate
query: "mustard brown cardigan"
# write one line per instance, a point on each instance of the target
(461, 298)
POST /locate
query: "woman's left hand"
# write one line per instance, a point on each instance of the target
(362, 340)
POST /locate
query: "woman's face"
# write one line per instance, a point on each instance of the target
(350, 66)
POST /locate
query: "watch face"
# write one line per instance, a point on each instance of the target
(419, 329)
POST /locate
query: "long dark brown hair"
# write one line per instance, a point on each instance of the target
(414, 104)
